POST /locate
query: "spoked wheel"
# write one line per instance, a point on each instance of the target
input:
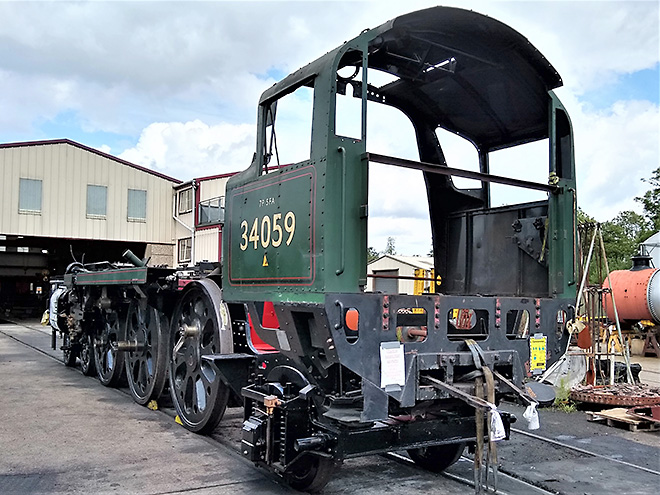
(87, 364)
(198, 394)
(310, 473)
(68, 354)
(437, 458)
(109, 361)
(146, 366)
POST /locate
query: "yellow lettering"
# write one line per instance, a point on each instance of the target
(254, 236)
(244, 239)
(290, 225)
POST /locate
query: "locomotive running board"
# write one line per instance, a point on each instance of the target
(233, 369)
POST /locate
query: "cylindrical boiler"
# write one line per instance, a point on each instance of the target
(636, 294)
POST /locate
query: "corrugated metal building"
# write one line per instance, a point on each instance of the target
(59, 195)
(384, 274)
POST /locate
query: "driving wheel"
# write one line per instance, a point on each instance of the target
(146, 361)
(109, 361)
(200, 318)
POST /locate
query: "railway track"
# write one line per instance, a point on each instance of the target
(402, 470)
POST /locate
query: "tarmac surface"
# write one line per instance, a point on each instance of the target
(63, 432)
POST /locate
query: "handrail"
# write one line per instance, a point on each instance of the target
(442, 170)
(342, 260)
(208, 205)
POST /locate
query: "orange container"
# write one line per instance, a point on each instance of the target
(636, 294)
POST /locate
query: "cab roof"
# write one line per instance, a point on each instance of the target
(456, 69)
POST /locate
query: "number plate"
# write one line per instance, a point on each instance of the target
(271, 235)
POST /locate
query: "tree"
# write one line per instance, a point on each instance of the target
(651, 201)
(622, 237)
(372, 254)
(390, 249)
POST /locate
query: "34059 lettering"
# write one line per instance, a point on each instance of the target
(268, 231)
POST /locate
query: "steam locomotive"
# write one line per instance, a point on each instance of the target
(325, 370)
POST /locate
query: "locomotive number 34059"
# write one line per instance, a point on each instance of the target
(268, 231)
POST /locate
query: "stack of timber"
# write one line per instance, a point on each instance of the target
(622, 417)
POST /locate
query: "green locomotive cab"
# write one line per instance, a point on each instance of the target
(296, 238)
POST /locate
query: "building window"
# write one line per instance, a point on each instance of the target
(97, 200)
(185, 249)
(185, 200)
(29, 196)
(137, 205)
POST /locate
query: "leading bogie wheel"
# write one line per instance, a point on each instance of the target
(69, 355)
(146, 362)
(200, 325)
(310, 473)
(109, 361)
(87, 362)
(438, 457)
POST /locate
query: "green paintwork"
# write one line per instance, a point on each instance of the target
(328, 193)
(121, 276)
(272, 231)
(562, 208)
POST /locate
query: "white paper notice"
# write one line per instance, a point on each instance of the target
(392, 364)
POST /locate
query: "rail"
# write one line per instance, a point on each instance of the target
(211, 211)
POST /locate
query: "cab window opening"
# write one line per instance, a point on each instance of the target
(288, 128)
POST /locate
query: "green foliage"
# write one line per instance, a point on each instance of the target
(563, 400)
(372, 254)
(623, 234)
(622, 237)
(651, 201)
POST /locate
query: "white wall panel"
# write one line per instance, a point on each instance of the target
(207, 245)
(65, 171)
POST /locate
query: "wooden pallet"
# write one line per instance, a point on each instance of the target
(619, 417)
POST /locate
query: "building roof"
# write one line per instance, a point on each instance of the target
(90, 150)
(188, 183)
(416, 261)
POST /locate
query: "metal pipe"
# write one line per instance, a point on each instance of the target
(441, 169)
(624, 348)
(342, 253)
(129, 256)
(127, 346)
(309, 443)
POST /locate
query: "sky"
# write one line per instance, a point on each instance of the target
(174, 86)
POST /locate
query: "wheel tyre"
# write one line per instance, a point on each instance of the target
(437, 458)
(311, 473)
(87, 362)
(110, 363)
(146, 369)
(68, 354)
(198, 394)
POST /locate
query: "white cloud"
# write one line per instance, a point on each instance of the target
(615, 149)
(590, 43)
(179, 82)
(193, 149)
